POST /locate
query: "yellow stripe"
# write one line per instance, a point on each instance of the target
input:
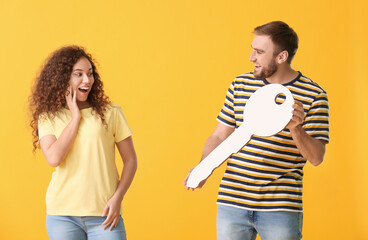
(257, 189)
(275, 148)
(227, 118)
(254, 174)
(243, 95)
(281, 171)
(228, 111)
(267, 161)
(300, 99)
(315, 126)
(307, 84)
(234, 177)
(318, 111)
(245, 148)
(247, 87)
(272, 138)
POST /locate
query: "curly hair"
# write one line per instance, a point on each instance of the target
(48, 93)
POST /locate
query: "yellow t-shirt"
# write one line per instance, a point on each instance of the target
(88, 177)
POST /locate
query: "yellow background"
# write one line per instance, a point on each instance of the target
(169, 64)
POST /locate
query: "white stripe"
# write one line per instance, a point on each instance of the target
(260, 203)
(258, 174)
(273, 154)
(314, 117)
(265, 168)
(261, 181)
(244, 178)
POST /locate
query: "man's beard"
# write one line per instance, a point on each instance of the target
(267, 71)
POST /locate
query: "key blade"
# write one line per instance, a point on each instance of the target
(230, 145)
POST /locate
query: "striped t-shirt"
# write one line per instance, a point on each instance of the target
(267, 173)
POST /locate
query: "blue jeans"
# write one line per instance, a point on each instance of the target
(241, 224)
(79, 228)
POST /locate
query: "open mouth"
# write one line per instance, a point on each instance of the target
(83, 89)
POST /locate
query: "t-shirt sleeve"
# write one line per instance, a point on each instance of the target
(121, 127)
(316, 122)
(44, 126)
(227, 115)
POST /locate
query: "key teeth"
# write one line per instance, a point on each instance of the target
(192, 185)
(193, 180)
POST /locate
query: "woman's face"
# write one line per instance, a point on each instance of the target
(82, 79)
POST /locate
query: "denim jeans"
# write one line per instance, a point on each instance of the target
(241, 224)
(79, 228)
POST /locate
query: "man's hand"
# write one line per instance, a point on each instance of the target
(298, 115)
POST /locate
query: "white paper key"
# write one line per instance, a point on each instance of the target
(262, 117)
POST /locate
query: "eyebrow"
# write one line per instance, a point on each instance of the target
(81, 69)
(257, 49)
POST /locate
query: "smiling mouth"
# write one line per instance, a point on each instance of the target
(83, 89)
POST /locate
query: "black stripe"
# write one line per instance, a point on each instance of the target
(318, 121)
(246, 160)
(274, 142)
(248, 176)
(227, 114)
(311, 129)
(260, 200)
(319, 114)
(323, 107)
(237, 89)
(229, 99)
(272, 184)
(273, 150)
(253, 169)
(306, 88)
(261, 191)
(239, 104)
(257, 154)
(228, 106)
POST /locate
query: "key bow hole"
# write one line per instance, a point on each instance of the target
(280, 98)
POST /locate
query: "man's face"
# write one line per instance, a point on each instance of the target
(263, 57)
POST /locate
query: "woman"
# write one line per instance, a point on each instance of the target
(77, 128)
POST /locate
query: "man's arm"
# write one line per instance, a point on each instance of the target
(220, 133)
(312, 149)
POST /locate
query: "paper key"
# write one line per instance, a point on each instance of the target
(263, 116)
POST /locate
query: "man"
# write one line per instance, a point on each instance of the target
(261, 191)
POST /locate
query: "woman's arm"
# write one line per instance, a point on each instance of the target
(112, 208)
(55, 150)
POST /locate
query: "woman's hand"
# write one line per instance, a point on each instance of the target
(71, 101)
(112, 211)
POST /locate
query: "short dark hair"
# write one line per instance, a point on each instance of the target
(283, 36)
